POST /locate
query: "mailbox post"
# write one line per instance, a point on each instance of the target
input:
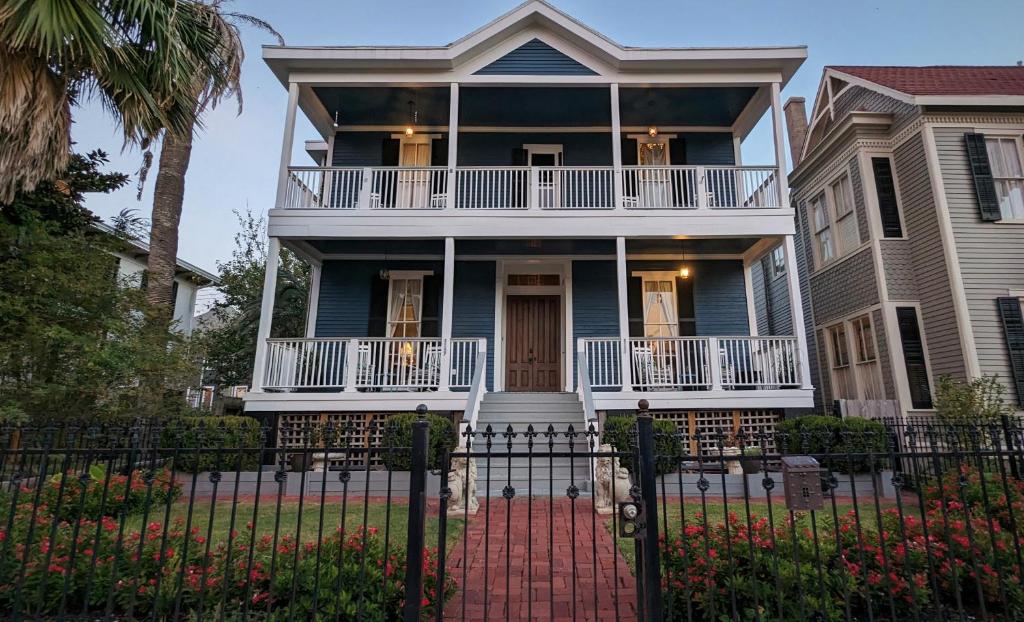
(801, 477)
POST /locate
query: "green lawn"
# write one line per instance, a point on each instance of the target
(288, 521)
(672, 514)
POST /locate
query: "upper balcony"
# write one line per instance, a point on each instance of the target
(533, 125)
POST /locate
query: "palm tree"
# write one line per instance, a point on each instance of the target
(134, 56)
(176, 150)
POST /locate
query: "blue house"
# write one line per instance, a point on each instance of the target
(535, 219)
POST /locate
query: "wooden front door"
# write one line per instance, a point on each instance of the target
(533, 357)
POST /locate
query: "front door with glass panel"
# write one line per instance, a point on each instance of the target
(414, 185)
(548, 180)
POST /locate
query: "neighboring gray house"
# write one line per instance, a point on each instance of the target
(909, 189)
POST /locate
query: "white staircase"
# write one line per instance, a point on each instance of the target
(550, 475)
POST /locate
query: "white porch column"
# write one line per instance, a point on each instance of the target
(266, 314)
(796, 310)
(314, 298)
(287, 142)
(622, 278)
(780, 148)
(447, 309)
(748, 285)
(453, 142)
(616, 146)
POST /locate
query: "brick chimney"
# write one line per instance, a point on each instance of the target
(796, 126)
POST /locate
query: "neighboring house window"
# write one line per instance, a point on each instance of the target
(869, 379)
(778, 262)
(405, 305)
(660, 318)
(822, 230)
(888, 205)
(1004, 155)
(846, 221)
(914, 357)
(843, 385)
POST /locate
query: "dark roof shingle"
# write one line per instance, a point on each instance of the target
(944, 79)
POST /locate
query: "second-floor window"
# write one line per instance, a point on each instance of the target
(1004, 155)
(834, 220)
(822, 229)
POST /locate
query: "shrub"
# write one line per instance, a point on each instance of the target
(213, 443)
(725, 570)
(148, 576)
(977, 402)
(620, 432)
(851, 445)
(95, 494)
(987, 494)
(398, 439)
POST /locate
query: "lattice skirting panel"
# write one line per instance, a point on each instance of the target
(730, 422)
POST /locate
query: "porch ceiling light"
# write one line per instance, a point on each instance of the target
(652, 131)
(684, 272)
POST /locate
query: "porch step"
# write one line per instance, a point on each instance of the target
(550, 476)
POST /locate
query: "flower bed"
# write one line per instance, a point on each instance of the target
(95, 565)
(900, 565)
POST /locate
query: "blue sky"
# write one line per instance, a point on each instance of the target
(234, 162)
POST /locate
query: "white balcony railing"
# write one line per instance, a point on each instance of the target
(694, 363)
(371, 364)
(541, 188)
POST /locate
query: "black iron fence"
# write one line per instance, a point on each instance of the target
(179, 522)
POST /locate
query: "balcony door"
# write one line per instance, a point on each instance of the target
(414, 185)
(548, 181)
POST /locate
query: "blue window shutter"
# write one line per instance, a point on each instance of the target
(981, 170)
(1013, 326)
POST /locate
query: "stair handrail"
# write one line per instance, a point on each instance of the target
(583, 386)
(476, 393)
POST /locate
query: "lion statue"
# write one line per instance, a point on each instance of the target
(607, 471)
(457, 484)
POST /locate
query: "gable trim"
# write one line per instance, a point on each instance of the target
(473, 66)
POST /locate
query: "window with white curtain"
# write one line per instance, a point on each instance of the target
(869, 374)
(661, 318)
(405, 306)
(843, 384)
(1004, 155)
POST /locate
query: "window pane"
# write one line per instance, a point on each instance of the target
(1011, 157)
(848, 233)
(841, 192)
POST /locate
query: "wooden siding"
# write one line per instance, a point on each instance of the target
(536, 58)
(826, 372)
(358, 148)
(344, 302)
(707, 148)
(884, 361)
(929, 260)
(595, 302)
(775, 290)
(474, 306)
(844, 287)
(898, 263)
(804, 261)
(991, 254)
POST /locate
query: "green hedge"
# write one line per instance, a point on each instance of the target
(851, 445)
(667, 445)
(398, 436)
(213, 443)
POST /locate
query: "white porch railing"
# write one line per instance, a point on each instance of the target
(523, 188)
(693, 363)
(371, 364)
(490, 187)
(574, 187)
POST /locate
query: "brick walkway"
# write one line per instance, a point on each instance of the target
(491, 593)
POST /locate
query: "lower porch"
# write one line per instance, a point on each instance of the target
(396, 323)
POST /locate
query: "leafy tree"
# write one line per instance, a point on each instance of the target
(72, 341)
(143, 60)
(230, 345)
